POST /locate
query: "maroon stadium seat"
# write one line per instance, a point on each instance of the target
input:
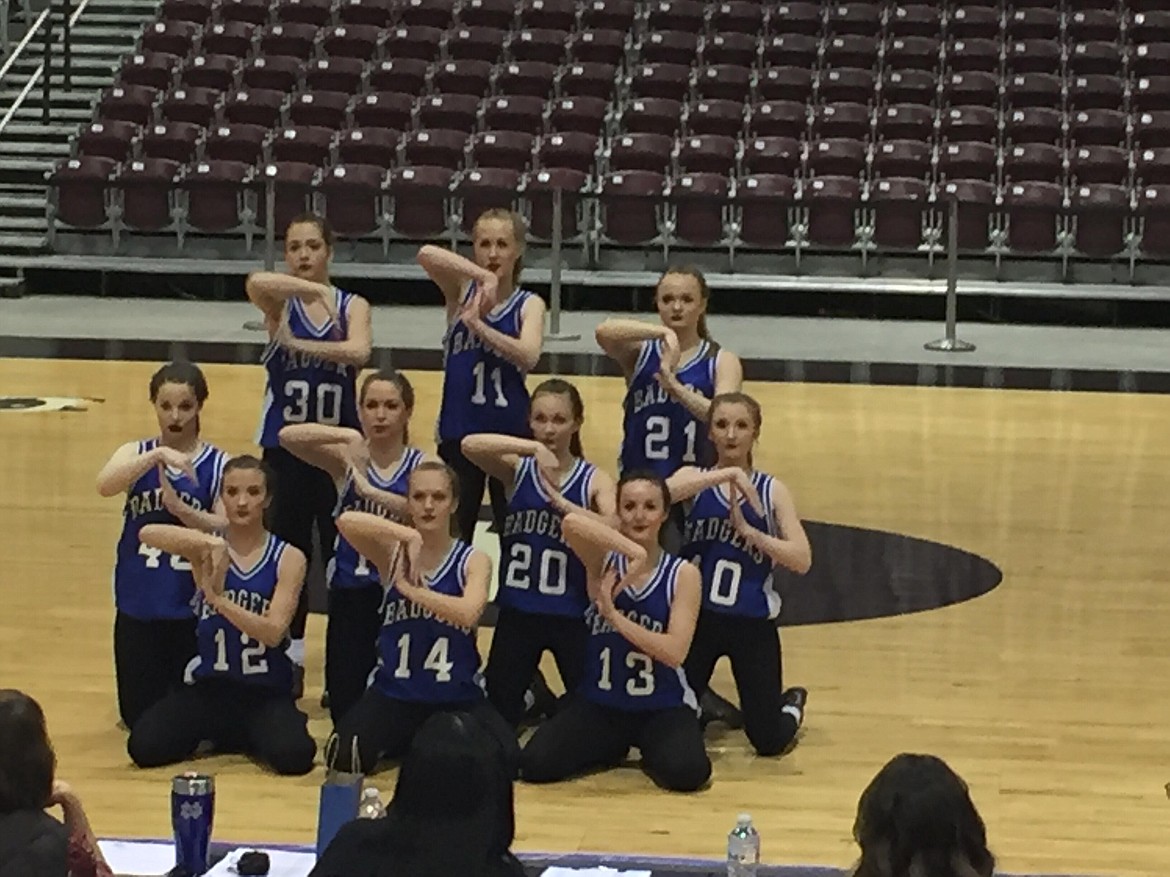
(650, 115)
(572, 150)
(1101, 215)
(898, 207)
(510, 150)
(215, 195)
(78, 188)
(236, 142)
(763, 214)
(831, 203)
(630, 203)
(483, 189)
(700, 203)
(537, 188)
(369, 146)
(110, 139)
(175, 140)
(303, 143)
(420, 199)
(1034, 219)
(353, 198)
(145, 198)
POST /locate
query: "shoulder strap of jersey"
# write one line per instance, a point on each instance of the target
(523, 469)
(649, 351)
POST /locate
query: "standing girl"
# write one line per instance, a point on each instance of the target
(672, 371)
(635, 693)
(542, 595)
(319, 337)
(172, 478)
(370, 469)
(741, 524)
(437, 587)
(494, 338)
(242, 697)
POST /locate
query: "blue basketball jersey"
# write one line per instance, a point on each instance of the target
(422, 658)
(347, 568)
(660, 434)
(225, 652)
(737, 579)
(539, 573)
(150, 584)
(482, 391)
(618, 675)
(303, 388)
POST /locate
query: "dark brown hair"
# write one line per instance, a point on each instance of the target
(704, 291)
(645, 475)
(27, 760)
(916, 818)
(560, 387)
(247, 462)
(405, 390)
(308, 217)
(186, 373)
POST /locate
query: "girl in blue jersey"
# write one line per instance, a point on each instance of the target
(241, 699)
(319, 338)
(742, 524)
(541, 595)
(370, 469)
(436, 589)
(172, 478)
(495, 332)
(640, 624)
(672, 371)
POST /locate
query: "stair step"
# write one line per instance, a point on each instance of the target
(28, 164)
(24, 129)
(19, 224)
(23, 243)
(30, 204)
(49, 150)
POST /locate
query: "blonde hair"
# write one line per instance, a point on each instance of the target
(519, 234)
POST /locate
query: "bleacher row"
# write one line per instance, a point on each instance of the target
(758, 124)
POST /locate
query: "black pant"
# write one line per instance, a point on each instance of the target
(471, 482)
(384, 728)
(150, 658)
(518, 641)
(234, 717)
(351, 645)
(753, 646)
(585, 736)
(304, 495)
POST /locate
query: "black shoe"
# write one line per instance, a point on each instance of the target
(714, 708)
(797, 697)
(325, 699)
(544, 702)
(298, 688)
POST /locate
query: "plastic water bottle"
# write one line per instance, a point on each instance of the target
(743, 848)
(371, 806)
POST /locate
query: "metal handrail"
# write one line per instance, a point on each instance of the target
(71, 19)
(24, 41)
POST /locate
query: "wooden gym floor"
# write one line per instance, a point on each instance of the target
(1049, 694)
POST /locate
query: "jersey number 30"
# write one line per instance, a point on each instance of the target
(658, 439)
(328, 403)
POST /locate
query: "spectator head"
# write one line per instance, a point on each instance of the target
(27, 761)
(916, 819)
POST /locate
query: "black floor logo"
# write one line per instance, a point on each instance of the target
(24, 404)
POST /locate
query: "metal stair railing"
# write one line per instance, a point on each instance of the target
(44, 72)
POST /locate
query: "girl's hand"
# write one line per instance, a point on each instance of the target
(173, 459)
(171, 500)
(742, 527)
(671, 351)
(669, 381)
(489, 289)
(605, 595)
(742, 482)
(555, 497)
(546, 460)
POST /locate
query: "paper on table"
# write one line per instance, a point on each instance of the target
(137, 857)
(591, 872)
(281, 863)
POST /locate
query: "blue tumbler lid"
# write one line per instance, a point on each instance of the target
(193, 784)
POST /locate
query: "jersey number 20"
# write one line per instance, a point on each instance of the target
(551, 577)
(658, 439)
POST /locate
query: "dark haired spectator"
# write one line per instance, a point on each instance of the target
(452, 811)
(916, 819)
(33, 843)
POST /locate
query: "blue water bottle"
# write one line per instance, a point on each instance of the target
(192, 811)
